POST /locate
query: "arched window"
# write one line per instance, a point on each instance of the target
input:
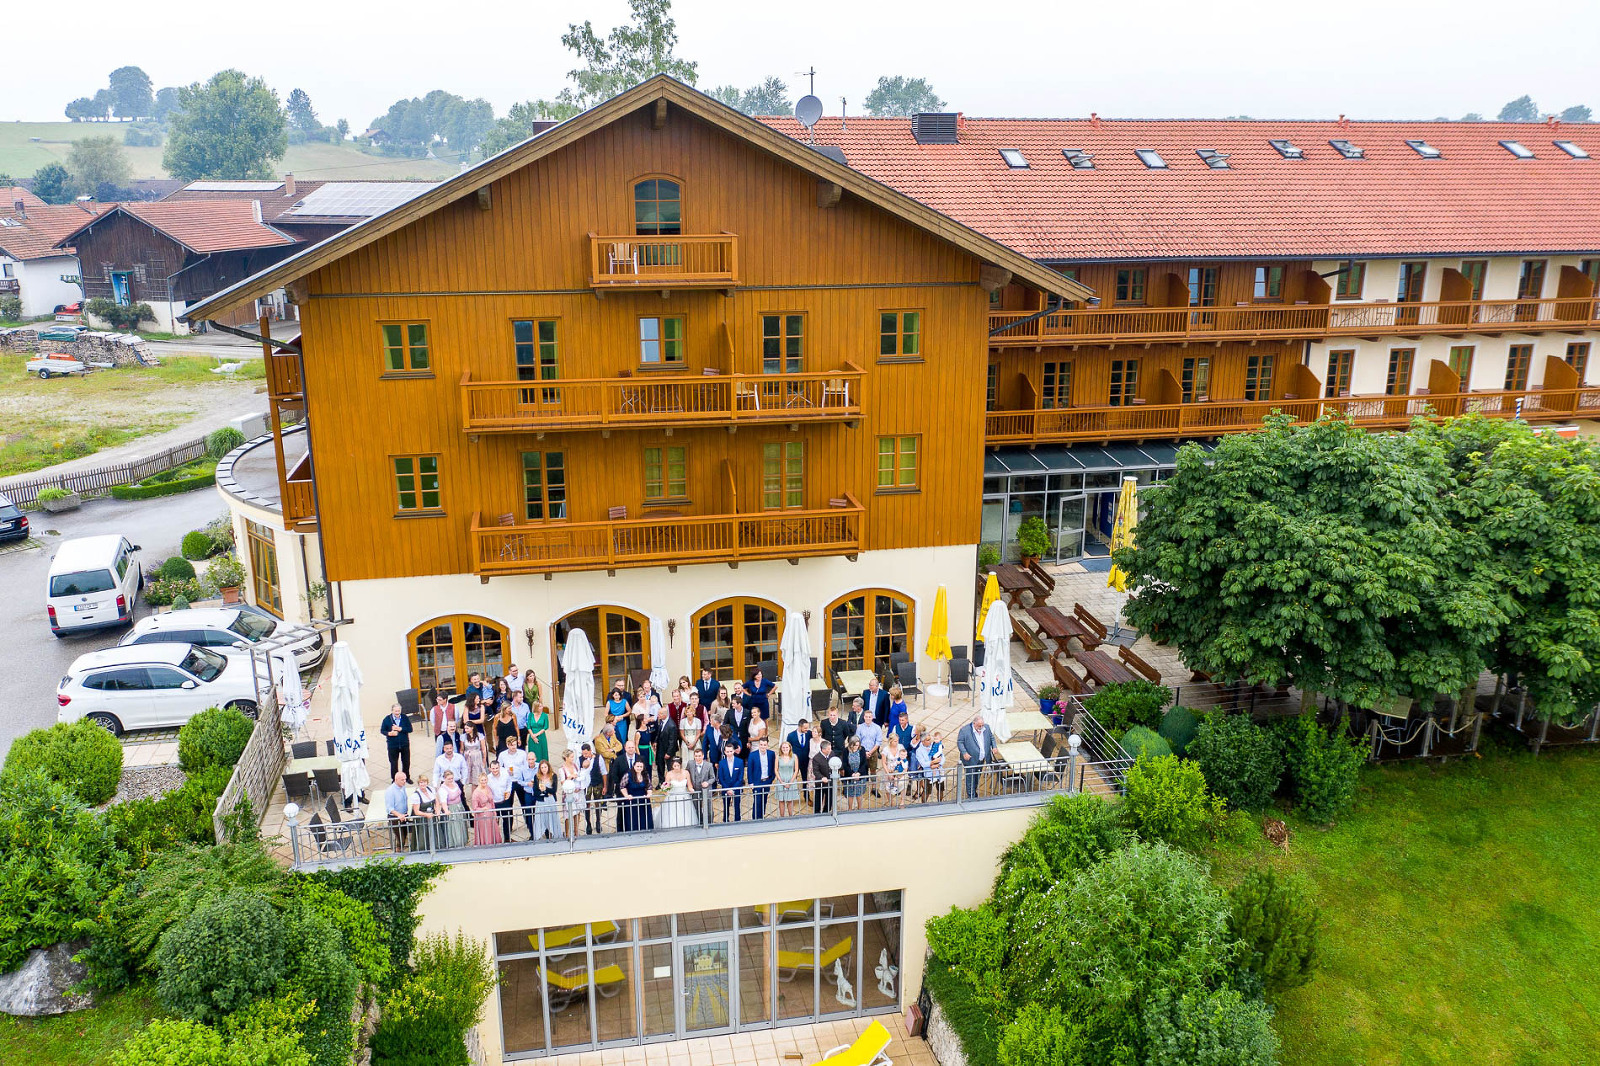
(733, 637)
(657, 208)
(446, 651)
(866, 627)
(621, 640)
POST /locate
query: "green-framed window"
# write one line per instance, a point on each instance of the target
(783, 476)
(405, 347)
(660, 341)
(666, 473)
(900, 334)
(897, 462)
(783, 343)
(544, 485)
(416, 483)
(538, 356)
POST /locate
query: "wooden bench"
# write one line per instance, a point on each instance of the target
(1090, 622)
(1030, 640)
(1070, 682)
(1138, 665)
(1042, 576)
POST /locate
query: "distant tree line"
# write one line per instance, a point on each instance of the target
(1523, 109)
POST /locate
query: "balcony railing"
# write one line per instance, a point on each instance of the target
(1205, 419)
(708, 261)
(10, 285)
(660, 400)
(298, 506)
(283, 375)
(662, 540)
(1097, 325)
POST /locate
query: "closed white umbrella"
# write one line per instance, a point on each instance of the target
(658, 657)
(291, 694)
(577, 700)
(796, 647)
(349, 735)
(995, 700)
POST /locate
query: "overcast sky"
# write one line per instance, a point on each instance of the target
(1363, 58)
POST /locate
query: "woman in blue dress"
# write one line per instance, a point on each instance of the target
(638, 815)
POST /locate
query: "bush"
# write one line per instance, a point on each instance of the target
(1068, 835)
(165, 488)
(1178, 727)
(1033, 536)
(51, 493)
(11, 308)
(355, 925)
(196, 546)
(1039, 1036)
(225, 572)
(1216, 1028)
(1243, 762)
(1116, 707)
(118, 315)
(1324, 769)
(176, 568)
(222, 957)
(322, 973)
(58, 863)
(165, 1042)
(1142, 740)
(392, 889)
(163, 593)
(220, 530)
(972, 943)
(425, 1020)
(80, 756)
(1277, 922)
(974, 1020)
(214, 737)
(988, 555)
(1167, 801)
(220, 442)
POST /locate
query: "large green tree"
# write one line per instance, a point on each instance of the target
(1522, 109)
(52, 183)
(302, 116)
(1321, 556)
(902, 96)
(96, 163)
(166, 103)
(232, 127)
(626, 56)
(417, 122)
(130, 91)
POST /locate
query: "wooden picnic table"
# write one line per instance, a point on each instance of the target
(1014, 579)
(1103, 669)
(1061, 628)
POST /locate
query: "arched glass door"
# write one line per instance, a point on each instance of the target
(446, 651)
(621, 640)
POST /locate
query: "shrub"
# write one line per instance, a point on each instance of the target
(176, 568)
(1039, 1036)
(1324, 769)
(11, 308)
(1277, 922)
(222, 956)
(988, 555)
(167, 1042)
(974, 1019)
(1215, 1028)
(196, 545)
(51, 493)
(214, 737)
(322, 973)
(220, 530)
(426, 1019)
(972, 942)
(58, 863)
(1178, 727)
(152, 488)
(1033, 536)
(392, 889)
(1142, 740)
(1242, 761)
(80, 756)
(118, 315)
(352, 920)
(1068, 835)
(1167, 801)
(1118, 706)
(220, 442)
(225, 572)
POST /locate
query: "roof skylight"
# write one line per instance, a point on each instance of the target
(1346, 149)
(1571, 149)
(1518, 149)
(1214, 159)
(1079, 159)
(1151, 158)
(1425, 150)
(1287, 149)
(1014, 159)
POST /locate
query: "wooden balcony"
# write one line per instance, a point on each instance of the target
(660, 400)
(283, 375)
(1258, 321)
(666, 540)
(1208, 419)
(683, 262)
(298, 497)
(10, 285)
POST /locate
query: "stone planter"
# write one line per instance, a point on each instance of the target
(70, 502)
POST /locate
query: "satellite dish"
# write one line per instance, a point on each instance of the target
(807, 111)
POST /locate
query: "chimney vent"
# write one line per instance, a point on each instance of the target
(934, 127)
(21, 208)
(288, 185)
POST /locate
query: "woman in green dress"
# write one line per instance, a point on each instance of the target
(450, 798)
(539, 732)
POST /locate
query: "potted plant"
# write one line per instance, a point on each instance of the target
(226, 572)
(1033, 539)
(1048, 694)
(988, 555)
(56, 499)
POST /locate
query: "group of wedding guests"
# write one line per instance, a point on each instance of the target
(707, 748)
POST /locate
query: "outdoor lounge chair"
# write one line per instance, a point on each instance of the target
(961, 676)
(871, 1048)
(793, 963)
(569, 985)
(573, 936)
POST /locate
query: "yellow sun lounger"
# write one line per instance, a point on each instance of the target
(569, 985)
(795, 908)
(793, 963)
(604, 932)
(871, 1048)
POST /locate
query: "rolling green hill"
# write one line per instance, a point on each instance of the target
(27, 146)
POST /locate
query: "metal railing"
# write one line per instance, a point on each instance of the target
(631, 261)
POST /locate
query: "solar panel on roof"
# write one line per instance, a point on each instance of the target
(357, 199)
(234, 186)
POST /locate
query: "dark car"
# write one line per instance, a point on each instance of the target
(13, 523)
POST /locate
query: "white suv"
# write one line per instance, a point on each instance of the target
(152, 686)
(228, 627)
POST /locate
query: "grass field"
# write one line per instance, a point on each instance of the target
(1461, 904)
(27, 146)
(84, 1038)
(47, 422)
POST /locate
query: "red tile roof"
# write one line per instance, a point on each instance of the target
(36, 234)
(1476, 198)
(207, 225)
(10, 194)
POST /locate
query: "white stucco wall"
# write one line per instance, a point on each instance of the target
(42, 288)
(293, 578)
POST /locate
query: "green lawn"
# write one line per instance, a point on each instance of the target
(27, 146)
(83, 1038)
(1462, 906)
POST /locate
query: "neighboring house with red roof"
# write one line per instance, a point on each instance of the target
(171, 254)
(309, 211)
(31, 265)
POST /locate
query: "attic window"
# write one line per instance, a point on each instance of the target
(1079, 159)
(10, 223)
(1571, 149)
(1348, 150)
(1150, 158)
(1014, 159)
(1424, 149)
(1518, 149)
(1287, 149)
(1214, 159)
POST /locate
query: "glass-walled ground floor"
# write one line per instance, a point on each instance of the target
(686, 974)
(1072, 490)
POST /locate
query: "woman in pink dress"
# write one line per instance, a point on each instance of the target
(485, 830)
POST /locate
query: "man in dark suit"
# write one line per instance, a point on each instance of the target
(976, 744)
(739, 718)
(702, 779)
(730, 782)
(799, 740)
(837, 730)
(760, 770)
(822, 775)
(396, 731)
(621, 766)
(875, 703)
(709, 688)
(667, 737)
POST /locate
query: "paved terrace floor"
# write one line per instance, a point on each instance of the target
(799, 1045)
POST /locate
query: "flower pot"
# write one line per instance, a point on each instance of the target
(1029, 560)
(70, 502)
(231, 595)
(1047, 707)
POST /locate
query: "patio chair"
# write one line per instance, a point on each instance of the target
(769, 669)
(305, 749)
(871, 1048)
(326, 842)
(821, 700)
(297, 786)
(333, 748)
(572, 984)
(909, 683)
(836, 393)
(327, 782)
(958, 651)
(622, 254)
(409, 701)
(961, 676)
(745, 394)
(794, 963)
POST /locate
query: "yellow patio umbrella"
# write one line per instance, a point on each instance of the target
(991, 592)
(1122, 531)
(939, 637)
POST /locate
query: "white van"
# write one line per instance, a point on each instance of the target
(94, 583)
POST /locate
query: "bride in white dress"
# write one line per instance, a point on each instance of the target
(677, 810)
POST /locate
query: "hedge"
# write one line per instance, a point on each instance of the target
(165, 488)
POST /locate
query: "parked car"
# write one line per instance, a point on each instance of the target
(93, 583)
(61, 331)
(55, 366)
(228, 627)
(154, 686)
(13, 523)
